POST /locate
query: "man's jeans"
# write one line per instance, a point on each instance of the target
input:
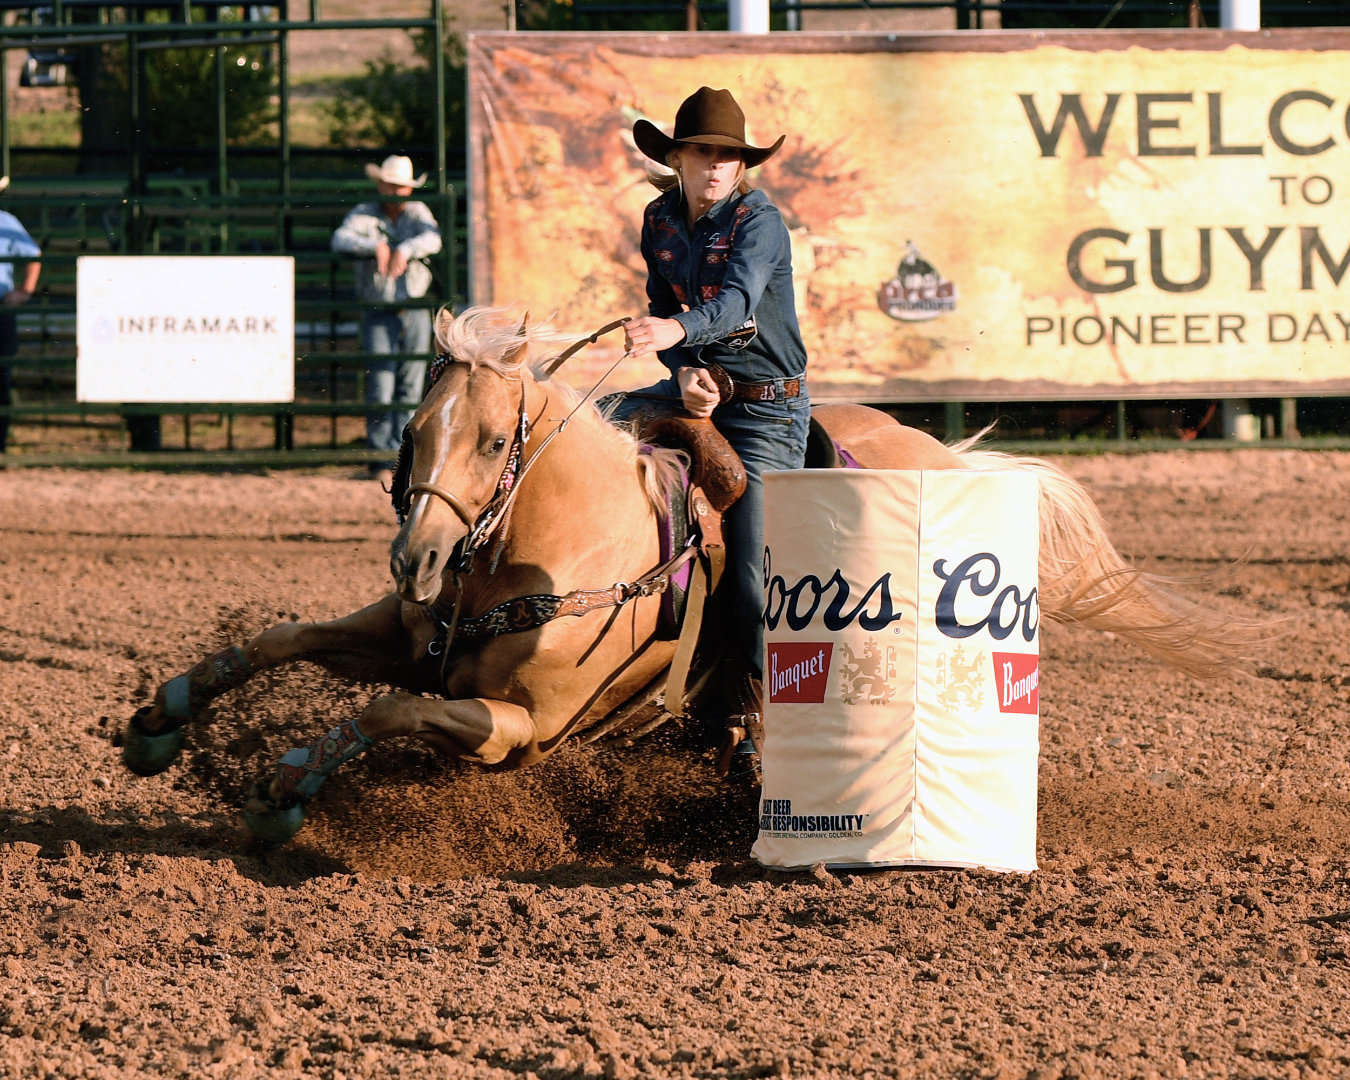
(9, 346)
(406, 331)
(768, 436)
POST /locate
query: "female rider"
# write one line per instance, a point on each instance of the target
(723, 321)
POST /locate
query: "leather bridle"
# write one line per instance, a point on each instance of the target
(448, 497)
(494, 510)
(498, 507)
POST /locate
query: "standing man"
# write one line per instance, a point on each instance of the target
(14, 240)
(392, 237)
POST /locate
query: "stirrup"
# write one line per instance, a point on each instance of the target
(744, 736)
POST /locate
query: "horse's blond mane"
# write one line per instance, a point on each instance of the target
(491, 337)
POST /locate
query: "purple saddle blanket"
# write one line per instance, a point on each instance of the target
(848, 460)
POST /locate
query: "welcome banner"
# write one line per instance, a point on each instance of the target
(975, 216)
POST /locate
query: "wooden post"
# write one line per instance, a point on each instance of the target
(1289, 418)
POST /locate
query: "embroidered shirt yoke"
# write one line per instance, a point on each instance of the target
(728, 282)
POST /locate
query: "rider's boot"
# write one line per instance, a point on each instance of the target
(745, 727)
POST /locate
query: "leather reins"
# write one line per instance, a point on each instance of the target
(576, 346)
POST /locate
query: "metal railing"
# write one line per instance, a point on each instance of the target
(329, 362)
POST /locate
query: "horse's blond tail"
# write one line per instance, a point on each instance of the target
(1084, 579)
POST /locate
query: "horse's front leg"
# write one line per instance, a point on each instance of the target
(483, 730)
(370, 645)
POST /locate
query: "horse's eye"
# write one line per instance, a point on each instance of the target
(498, 445)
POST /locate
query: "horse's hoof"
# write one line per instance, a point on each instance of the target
(270, 823)
(149, 753)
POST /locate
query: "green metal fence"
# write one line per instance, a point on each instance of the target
(222, 199)
(227, 199)
(182, 218)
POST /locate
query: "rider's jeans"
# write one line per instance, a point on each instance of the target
(768, 436)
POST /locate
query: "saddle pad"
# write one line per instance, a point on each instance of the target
(673, 529)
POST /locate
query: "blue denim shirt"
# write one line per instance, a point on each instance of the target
(728, 282)
(14, 240)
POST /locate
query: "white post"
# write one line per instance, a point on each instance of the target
(1240, 14)
(1236, 416)
(748, 16)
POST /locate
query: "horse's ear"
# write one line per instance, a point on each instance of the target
(517, 354)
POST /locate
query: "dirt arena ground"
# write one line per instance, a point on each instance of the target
(598, 916)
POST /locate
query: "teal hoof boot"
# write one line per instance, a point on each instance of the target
(269, 823)
(149, 753)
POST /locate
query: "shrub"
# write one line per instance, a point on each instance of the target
(390, 105)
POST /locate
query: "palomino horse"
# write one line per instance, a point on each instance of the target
(517, 497)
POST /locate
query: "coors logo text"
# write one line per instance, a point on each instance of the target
(979, 575)
(798, 602)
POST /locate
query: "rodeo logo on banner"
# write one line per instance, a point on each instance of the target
(901, 627)
(917, 291)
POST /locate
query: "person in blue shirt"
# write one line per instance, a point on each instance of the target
(723, 321)
(14, 240)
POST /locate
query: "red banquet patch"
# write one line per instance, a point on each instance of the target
(1017, 680)
(799, 671)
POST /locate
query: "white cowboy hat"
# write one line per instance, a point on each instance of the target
(396, 170)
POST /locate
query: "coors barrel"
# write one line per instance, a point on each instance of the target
(901, 669)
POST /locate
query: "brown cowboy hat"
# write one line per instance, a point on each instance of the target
(706, 116)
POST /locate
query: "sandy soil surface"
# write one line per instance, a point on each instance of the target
(598, 916)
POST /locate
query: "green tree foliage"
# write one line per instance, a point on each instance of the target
(180, 96)
(391, 106)
(178, 91)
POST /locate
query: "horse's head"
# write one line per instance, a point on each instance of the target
(461, 450)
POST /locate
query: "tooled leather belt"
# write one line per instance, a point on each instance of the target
(730, 389)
